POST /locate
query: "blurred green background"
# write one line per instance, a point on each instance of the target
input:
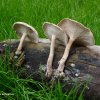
(35, 12)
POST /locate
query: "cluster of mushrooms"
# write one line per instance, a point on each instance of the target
(64, 33)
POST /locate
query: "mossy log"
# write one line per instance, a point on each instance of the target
(82, 64)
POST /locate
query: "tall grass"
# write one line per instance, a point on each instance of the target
(35, 12)
(14, 88)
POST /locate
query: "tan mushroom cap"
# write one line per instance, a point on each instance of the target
(75, 30)
(23, 28)
(52, 29)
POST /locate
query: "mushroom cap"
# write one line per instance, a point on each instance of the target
(23, 28)
(77, 31)
(52, 29)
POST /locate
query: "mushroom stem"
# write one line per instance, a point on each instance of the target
(50, 58)
(18, 51)
(65, 56)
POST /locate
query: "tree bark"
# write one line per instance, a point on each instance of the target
(82, 64)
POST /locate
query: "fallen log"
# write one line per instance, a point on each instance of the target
(83, 63)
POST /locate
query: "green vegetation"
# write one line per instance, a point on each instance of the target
(14, 88)
(35, 12)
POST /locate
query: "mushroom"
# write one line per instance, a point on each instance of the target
(26, 32)
(95, 49)
(76, 32)
(44, 40)
(56, 36)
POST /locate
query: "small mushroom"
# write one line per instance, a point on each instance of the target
(56, 36)
(95, 49)
(77, 33)
(43, 40)
(26, 32)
